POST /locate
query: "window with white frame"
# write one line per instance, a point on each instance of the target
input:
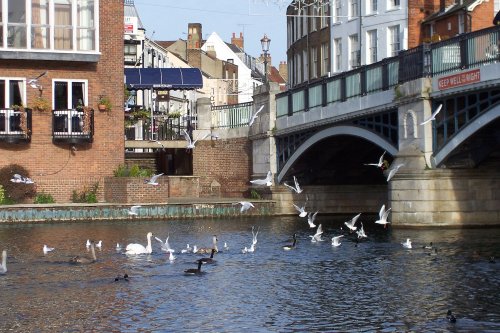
(55, 25)
(372, 6)
(371, 37)
(461, 23)
(68, 95)
(315, 61)
(313, 13)
(12, 92)
(337, 11)
(353, 51)
(393, 4)
(338, 54)
(353, 9)
(394, 40)
(324, 13)
(325, 59)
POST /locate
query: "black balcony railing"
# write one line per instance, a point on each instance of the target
(15, 125)
(73, 126)
(464, 51)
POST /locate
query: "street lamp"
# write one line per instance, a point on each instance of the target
(265, 42)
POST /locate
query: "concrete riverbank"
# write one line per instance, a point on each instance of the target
(173, 209)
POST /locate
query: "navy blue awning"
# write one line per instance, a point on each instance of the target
(163, 78)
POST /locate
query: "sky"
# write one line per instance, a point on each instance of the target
(169, 20)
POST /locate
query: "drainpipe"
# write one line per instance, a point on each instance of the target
(360, 34)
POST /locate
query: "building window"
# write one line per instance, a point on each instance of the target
(461, 23)
(373, 6)
(394, 4)
(313, 12)
(371, 37)
(69, 94)
(353, 51)
(314, 67)
(338, 54)
(324, 14)
(394, 41)
(12, 92)
(130, 51)
(325, 56)
(337, 11)
(66, 25)
(353, 9)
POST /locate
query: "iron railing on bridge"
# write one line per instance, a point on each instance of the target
(231, 116)
(465, 51)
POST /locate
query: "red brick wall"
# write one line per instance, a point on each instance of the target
(134, 191)
(49, 164)
(229, 162)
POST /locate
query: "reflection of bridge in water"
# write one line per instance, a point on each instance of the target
(327, 130)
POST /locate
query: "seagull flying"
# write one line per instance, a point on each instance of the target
(433, 115)
(268, 181)
(17, 178)
(310, 219)
(383, 214)
(245, 205)
(407, 244)
(295, 188)
(380, 161)
(254, 116)
(393, 171)
(361, 232)
(133, 210)
(317, 236)
(165, 246)
(352, 223)
(336, 240)
(34, 82)
(153, 180)
(254, 236)
(190, 142)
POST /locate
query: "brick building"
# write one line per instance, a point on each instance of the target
(59, 59)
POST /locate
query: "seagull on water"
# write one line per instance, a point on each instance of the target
(134, 210)
(407, 244)
(99, 244)
(383, 214)
(253, 117)
(380, 161)
(245, 205)
(317, 236)
(87, 245)
(153, 180)
(310, 219)
(188, 249)
(47, 249)
(268, 181)
(190, 143)
(352, 223)
(171, 257)
(433, 115)
(295, 188)
(336, 240)
(393, 171)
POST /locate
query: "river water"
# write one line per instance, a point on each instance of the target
(375, 285)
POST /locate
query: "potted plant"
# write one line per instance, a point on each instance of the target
(41, 104)
(104, 104)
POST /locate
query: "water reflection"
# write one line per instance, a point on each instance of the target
(375, 285)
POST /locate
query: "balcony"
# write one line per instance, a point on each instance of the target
(15, 125)
(73, 126)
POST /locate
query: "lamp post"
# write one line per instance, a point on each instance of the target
(265, 42)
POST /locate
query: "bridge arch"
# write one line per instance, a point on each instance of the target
(334, 131)
(473, 127)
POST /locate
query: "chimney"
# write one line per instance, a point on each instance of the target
(237, 41)
(283, 70)
(194, 36)
(194, 45)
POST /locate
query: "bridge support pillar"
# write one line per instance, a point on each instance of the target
(420, 196)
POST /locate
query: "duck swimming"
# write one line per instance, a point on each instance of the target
(209, 260)
(194, 271)
(291, 246)
(451, 318)
(84, 259)
(207, 250)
